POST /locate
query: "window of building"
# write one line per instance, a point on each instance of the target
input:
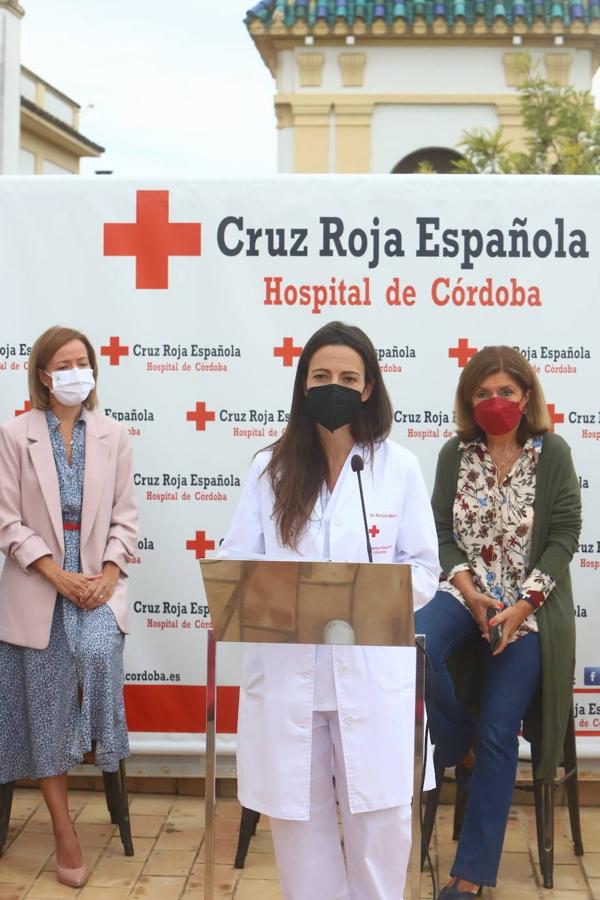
(441, 159)
(50, 168)
(26, 162)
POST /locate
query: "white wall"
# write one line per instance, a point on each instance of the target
(28, 87)
(287, 72)
(58, 107)
(10, 104)
(26, 162)
(399, 130)
(285, 150)
(51, 168)
(433, 69)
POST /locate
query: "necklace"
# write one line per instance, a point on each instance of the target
(500, 466)
(66, 439)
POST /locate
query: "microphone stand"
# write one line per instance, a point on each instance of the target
(420, 754)
(358, 465)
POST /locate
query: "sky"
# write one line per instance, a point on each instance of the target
(167, 87)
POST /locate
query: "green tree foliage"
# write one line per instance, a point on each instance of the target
(563, 135)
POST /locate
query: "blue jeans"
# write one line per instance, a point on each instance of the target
(510, 681)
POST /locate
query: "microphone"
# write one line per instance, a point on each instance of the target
(358, 465)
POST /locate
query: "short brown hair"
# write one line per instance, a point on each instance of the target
(42, 352)
(488, 361)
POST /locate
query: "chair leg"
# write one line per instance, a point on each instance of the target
(431, 804)
(572, 787)
(460, 806)
(115, 788)
(544, 820)
(248, 824)
(124, 821)
(6, 796)
(111, 794)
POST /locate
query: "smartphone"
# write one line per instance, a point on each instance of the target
(495, 630)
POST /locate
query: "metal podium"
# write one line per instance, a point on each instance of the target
(258, 601)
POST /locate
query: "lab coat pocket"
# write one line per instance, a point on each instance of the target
(396, 669)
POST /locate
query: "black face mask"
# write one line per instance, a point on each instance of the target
(333, 405)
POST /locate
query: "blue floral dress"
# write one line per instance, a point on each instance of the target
(56, 704)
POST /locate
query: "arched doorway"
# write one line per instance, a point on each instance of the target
(441, 160)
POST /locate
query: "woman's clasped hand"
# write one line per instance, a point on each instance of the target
(510, 620)
(73, 585)
(99, 587)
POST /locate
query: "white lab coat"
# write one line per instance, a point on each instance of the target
(374, 686)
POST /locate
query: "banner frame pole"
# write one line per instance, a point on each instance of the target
(419, 751)
(210, 771)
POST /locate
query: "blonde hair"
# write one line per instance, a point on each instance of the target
(42, 352)
(500, 358)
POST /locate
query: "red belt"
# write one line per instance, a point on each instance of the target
(71, 526)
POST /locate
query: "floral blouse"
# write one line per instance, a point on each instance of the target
(493, 526)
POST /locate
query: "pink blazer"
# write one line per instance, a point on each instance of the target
(31, 520)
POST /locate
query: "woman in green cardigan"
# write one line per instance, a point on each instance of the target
(507, 507)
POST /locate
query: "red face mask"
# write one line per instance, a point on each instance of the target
(497, 415)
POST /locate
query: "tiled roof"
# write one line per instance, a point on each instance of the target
(368, 16)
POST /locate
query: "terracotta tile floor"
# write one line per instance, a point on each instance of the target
(168, 863)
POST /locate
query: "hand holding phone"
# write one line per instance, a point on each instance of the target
(495, 631)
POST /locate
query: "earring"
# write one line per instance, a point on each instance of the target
(525, 411)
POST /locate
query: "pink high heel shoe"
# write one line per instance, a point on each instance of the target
(75, 878)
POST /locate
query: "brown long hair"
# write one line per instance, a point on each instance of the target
(488, 361)
(298, 465)
(42, 352)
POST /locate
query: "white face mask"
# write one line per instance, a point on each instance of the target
(72, 386)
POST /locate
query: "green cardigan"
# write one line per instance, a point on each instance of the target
(556, 528)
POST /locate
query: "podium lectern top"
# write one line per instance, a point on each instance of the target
(291, 602)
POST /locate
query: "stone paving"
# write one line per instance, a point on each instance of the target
(168, 864)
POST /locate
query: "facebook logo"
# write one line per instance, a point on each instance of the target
(591, 675)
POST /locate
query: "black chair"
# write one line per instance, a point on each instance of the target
(115, 791)
(543, 792)
(248, 823)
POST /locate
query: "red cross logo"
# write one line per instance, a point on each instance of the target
(152, 239)
(26, 408)
(287, 352)
(556, 418)
(373, 531)
(114, 350)
(201, 415)
(200, 545)
(462, 352)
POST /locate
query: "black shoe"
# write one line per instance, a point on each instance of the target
(451, 892)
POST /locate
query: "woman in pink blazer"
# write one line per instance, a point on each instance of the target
(68, 525)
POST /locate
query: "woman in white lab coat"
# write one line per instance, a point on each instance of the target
(308, 714)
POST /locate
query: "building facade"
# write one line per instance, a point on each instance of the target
(51, 143)
(39, 125)
(379, 87)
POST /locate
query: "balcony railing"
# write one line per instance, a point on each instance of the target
(49, 99)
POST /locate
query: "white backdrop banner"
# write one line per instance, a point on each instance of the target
(199, 295)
